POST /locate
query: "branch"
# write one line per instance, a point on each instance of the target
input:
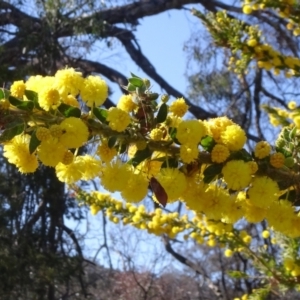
(215, 289)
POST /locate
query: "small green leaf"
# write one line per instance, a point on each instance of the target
(112, 141)
(211, 172)
(34, 143)
(10, 133)
(152, 96)
(14, 101)
(241, 155)
(208, 143)
(135, 81)
(140, 156)
(133, 75)
(162, 113)
(26, 105)
(33, 96)
(4, 94)
(69, 111)
(170, 163)
(172, 133)
(130, 87)
(101, 114)
(293, 133)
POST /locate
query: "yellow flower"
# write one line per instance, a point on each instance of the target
(71, 100)
(252, 42)
(94, 91)
(190, 132)
(234, 137)
(56, 131)
(277, 160)
(253, 167)
(118, 119)
(217, 126)
(68, 81)
(247, 9)
(219, 153)
(125, 103)
(69, 173)
(91, 167)
(265, 234)
(43, 133)
(292, 105)
(156, 134)
(75, 132)
(280, 215)
(68, 158)
(262, 149)
(179, 107)
(136, 188)
(228, 253)
(188, 153)
(49, 98)
(51, 152)
(254, 214)
(17, 89)
(237, 174)
(173, 182)
(115, 175)
(17, 152)
(105, 153)
(263, 192)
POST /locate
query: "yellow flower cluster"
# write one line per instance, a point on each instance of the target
(137, 147)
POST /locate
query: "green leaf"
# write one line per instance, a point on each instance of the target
(33, 96)
(14, 101)
(11, 132)
(137, 82)
(4, 94)
(26, 105)
(172, 133)
(241, 155)
(34, 143)
(140, 156)
(112, 141)
(153, 96)
(170, 163)
(208, 143)
(133, 75)
(69, 111)
(162, 113)
(211, 172)
(101, 114)
(293, 133)
(130, 87)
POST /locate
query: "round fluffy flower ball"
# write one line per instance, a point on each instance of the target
(179, 107)
(263, 192)
(237, 174)
(234, 137)
(262, 149)
(188, 153)
(219, 153)
(69, 173)
(94, 91)
(17, 153)
(118, 119)
(68, 81)
(173, 182)
(75, 132)
(49, 98)
(126, 103)
(136, 188)
(190, 132)
(277, 160)
(51, 152)
(17, 89)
